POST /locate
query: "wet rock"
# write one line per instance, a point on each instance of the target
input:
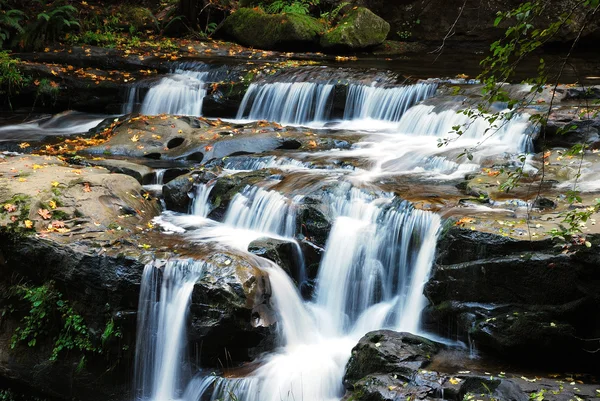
(255, 28)
(284, 253)
(504, 294)
(385, 351)
(135, 170)
(566, 128)
(177, 192)
(312, 222)
(80, 232)
(195, 140)
(226, 187)
(359, 29)
(232, 318)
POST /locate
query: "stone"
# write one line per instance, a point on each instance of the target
(232, 318)
(359, 29)
(255, 28)
(386, 351)
(286, 254)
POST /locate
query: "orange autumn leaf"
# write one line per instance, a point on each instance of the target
(44, 213)
(86, 187)
(57, 224)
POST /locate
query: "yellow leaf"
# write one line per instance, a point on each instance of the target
(135, 138)
(52, 204)
(55, 184)
(28, 224)
(24, 145)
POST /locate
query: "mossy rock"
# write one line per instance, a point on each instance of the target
(359, 29)
(255, 28)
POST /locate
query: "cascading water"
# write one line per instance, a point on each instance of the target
(287, 102)
(379, 250)
(161, 333)
(261, 210)
(200, 205)
(386, 104)
(180, 93)
(376, 262)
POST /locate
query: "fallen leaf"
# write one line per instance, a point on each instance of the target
(28, 224)
(52, 204)
(86, 187)
(9, 208)
(44, 213)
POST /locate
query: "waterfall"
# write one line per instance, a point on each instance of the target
(161, 335)
(377, 259)
(180, 93)
(200, 205)
(387, 104)
(287, 102)
(261, 210)
(511, 131)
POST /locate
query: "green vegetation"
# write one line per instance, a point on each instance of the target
(521, 40)
(10, 22)
(51, 316)
(289, 6)
(11, 78)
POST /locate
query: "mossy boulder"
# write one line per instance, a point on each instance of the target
(255, 28)
(359, 29)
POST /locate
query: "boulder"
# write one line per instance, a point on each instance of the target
(232, 318)
(195, 140)
(517, 299)
(567, 128)
(386, 351)
(286, 254)
(359, 29)
(255, 28)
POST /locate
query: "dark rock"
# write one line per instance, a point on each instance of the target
(359, 29)
(565, 129)
(286, 254)
(544, 203)
(255, 28)
(385, 351)
(312, 222)
(232, 319)
(226, 187)
(517, 298)
(177, 194)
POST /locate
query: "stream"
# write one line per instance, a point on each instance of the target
(378, 253)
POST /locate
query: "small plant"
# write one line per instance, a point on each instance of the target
(50, 25)
(10, 22)
(49, 314)
(330, 16)
(11, 78)
(292, 7)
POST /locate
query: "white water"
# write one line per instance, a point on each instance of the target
(412, 145)
(66, 123)
(200, 205)
(385, 104)
(180, 93)
(255, 208)
(376, 262)
(377, 257)
(287, 103)
(161, 334)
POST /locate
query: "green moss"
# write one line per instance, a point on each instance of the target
(256, 28)
(360, 28)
